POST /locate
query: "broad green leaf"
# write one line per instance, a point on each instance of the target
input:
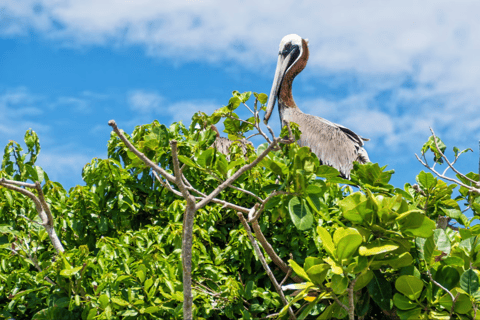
(426, 180)
(298, 270)
(103, 300)
(311, 261)
(354, 207)
(326, 241)
(318, 272)
(448, 277)
(206, 158)
(336, 268)
(300, 213)
(380, 290)
(70, 272)
(441, 241)
(152, 309)
(413, 314)
(325, 171)
(348, 245)
(339, 284)
(403, 303)
(397, 262)
(469, 281)
(410, 286)
(377, 247)
(409, 224)
(120, 301)
(262, 97)
(187, 161)
(363, 280)
(463, 304)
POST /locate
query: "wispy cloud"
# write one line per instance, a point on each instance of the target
(144, 101)
(433, 45)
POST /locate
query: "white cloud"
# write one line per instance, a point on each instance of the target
(144, 101)
(424, 54)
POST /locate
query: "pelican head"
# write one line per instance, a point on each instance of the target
(290, 52)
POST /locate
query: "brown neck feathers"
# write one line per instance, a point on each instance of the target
(285, 96)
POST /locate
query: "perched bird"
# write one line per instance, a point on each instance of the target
(334, 145)
(223, 144)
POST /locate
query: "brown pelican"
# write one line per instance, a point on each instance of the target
(334, 145)
(223, 144)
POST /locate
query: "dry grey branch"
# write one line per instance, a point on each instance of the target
(264, 263)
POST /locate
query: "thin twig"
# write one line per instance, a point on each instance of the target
(140, 155)
(470, 188)
(451, 165)
(264, 263)
(236, 175)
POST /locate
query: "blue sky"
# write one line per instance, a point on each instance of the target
(386, 70)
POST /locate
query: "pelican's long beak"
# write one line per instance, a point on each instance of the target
(282, 66)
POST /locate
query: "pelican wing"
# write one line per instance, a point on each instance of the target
(334, 145)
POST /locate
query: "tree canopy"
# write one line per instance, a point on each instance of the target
(274, 233)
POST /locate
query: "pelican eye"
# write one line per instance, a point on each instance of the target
(289, 47)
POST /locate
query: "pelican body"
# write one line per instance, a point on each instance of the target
(334, 145)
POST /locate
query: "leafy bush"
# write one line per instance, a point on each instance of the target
(358, 248)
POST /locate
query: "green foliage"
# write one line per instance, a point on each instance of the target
(359, 239)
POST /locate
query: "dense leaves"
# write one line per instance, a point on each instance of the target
(358, 243)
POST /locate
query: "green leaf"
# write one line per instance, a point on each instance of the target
(448, 277)
(187, 161)
(152, 309)
(469, 281)
(426, 180)
(298, 270)
(403, 303)
(206, 158)
(354, 207)
(381, 291)
(442, 242)
(103, 301)
(317, 273)
(416, 224)
(119, 301)
(377, 247)
(70, 272)
(311, 261)
(363, 280)
(326, 241)
(410, 286)
(347, 245)
(339, 283)
(324, 171)
(262, 97)
(300, 213)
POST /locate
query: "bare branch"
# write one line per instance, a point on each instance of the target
(142, 157)
(267, 247)
(44, 204)
(178, 173)
(166, 184)
(264, 263)
(38, 204)
(43, 211)
(244, 121)
(253, 135)
(236, 175)
(248, 108)
(477, 183)
(18, 183)
(235, 187)
(35, 263)
(470, 188)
